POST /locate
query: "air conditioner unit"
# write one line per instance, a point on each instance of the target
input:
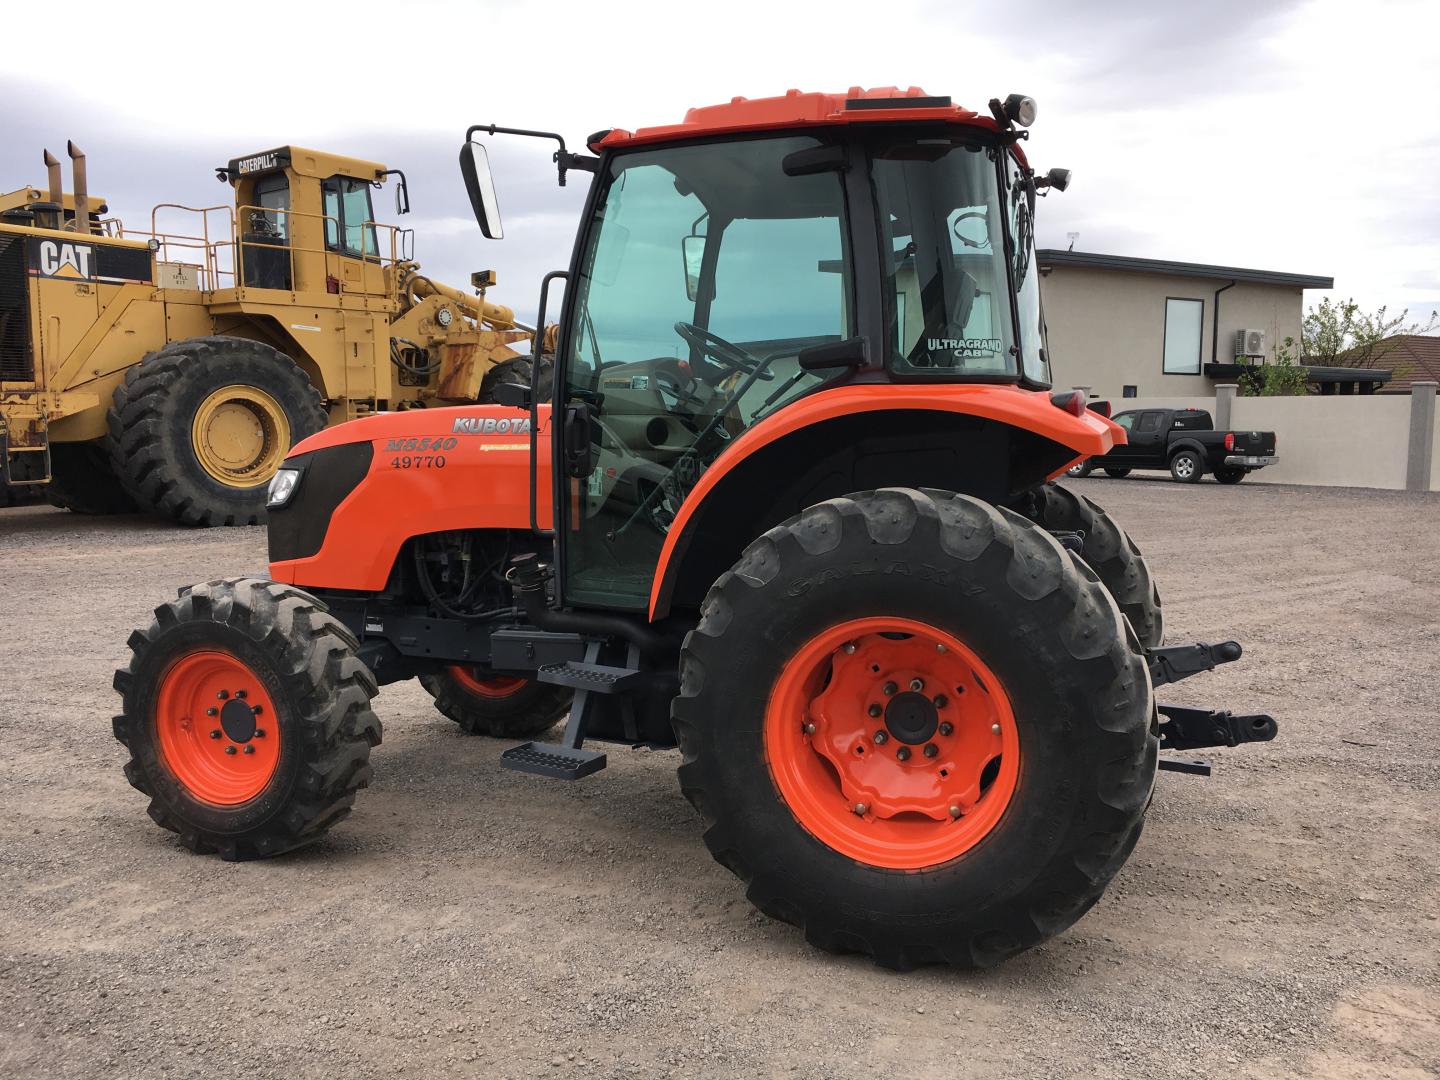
(1249, 342)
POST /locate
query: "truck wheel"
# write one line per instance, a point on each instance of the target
(198, 428)
(82, 481)
(1229, 474)
(1079, 472)
(483, 702)
(247, 717)
(1186, 467)
(1111, 553)
(917, 727)
(1118, 474)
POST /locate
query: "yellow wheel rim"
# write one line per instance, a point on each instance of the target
(240, 436)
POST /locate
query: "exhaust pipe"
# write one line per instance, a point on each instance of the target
(56, 195)
(82, 198)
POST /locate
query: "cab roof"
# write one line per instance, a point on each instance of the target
(303, 162)
(885, 104)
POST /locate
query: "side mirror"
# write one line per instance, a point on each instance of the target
(480, 186)
(1058, 179)
(692, 249)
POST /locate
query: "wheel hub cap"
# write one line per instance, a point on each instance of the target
(892, 742)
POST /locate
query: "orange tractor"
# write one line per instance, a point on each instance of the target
(784, 498)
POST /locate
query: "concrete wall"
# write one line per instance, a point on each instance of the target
(1107, 327)
(1334, 441)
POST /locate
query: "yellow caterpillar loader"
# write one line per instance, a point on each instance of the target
(170, 369)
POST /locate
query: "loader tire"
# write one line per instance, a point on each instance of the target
(197, 429)
(517, 371)
(487, 703)
(82, 481)
(247, 717)
(1111, 554)
(966, 628)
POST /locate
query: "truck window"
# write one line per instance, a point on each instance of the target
(1149, 421)
(1126, 420)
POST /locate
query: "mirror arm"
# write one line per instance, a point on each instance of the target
(403, 190)
(563, 158)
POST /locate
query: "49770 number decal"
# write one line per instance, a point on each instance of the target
(418, 461)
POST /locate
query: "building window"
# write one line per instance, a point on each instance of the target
(1183, 321)
(1130, 390)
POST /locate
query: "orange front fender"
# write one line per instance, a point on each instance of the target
(1088, 435)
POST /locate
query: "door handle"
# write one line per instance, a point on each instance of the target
(578, 437)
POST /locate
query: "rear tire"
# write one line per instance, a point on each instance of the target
(506, 707)
(1186, 467)
(153, 428)
(1118, 474)
(1079, 472)
(1229, 474)
(1000, 587)
(1110, 552)
(286, 766)
(83, 482)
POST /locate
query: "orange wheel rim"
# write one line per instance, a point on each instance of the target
(892, 742)
(490, 686)
(216, 728)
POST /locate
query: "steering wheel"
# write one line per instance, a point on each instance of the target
(727, 354)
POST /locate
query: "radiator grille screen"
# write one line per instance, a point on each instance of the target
(17, 361)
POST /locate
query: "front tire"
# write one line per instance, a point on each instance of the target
(1048, 764)
(504, 706)
(247, 717)
(1186, 467)
(198, 428)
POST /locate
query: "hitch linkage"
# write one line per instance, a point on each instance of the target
(1171, 663)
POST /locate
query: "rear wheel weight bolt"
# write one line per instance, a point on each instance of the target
(881, 738)
(861, 809)
(849, 648)
(889, 689)
(903, 753)
(939, 646)
(995, 729)
(917, 684)
(954, 811)
(946, 728)
(931, 749)
(809, 729)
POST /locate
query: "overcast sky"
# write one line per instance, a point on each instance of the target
(1302, 137)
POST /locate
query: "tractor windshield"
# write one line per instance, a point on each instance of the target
(944, 226)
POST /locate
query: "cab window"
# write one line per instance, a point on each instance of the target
(349, 218)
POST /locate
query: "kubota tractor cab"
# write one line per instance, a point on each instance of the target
(784, 499)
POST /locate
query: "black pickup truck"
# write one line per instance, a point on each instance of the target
(1185, 442)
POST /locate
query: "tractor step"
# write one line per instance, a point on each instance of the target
(549, 759)
(596, 678)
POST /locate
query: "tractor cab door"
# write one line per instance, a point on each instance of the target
(265, 235)
(705, 271)
(351, 244)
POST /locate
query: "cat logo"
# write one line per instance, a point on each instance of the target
(57, 258)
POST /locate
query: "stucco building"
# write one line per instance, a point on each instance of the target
(1130, 327)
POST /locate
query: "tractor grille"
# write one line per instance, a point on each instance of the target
(17, 360)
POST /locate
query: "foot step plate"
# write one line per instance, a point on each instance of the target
(596, 678)
(549, 759)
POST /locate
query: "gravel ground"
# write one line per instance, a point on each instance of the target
(1277, 919)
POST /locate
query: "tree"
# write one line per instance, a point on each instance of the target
(1282, 377)
(1339, 334)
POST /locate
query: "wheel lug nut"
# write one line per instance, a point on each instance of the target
(946, 728)
(931, 749)
(215, 734)
(903, 753)
(230, 749)
(257, 709)
(862, 809)
(954, 811)
(241, 694)
(888, 689)
(249, 749)
(874, 710)
(223, 695)
(941, 701)
(259, 733)
(809, 729)
(917, 684)
(881, 738)
(995, 729)
(212, 711)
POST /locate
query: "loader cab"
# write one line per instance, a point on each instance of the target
(733, 265)
(306, 222)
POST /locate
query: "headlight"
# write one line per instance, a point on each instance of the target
(282, 486)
